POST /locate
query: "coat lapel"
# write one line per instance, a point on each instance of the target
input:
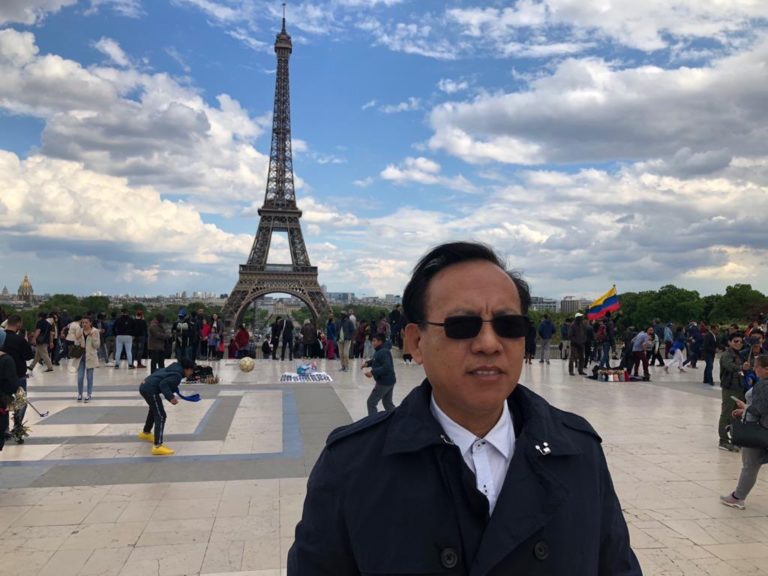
(532, 494)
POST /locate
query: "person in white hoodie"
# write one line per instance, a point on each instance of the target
(74, 333)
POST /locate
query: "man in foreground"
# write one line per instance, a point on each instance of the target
(472, 473)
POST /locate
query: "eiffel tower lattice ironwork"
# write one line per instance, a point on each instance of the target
(278, 214)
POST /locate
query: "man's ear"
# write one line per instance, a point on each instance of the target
(413, 341)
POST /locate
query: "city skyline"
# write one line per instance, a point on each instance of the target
(590, 147)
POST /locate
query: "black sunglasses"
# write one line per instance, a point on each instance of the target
(464, 327)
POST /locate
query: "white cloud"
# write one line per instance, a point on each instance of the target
(368, 3)
(127, 8)
(216, 10)
(316, 212)
(563, 229)
(178, 58)
(409, 105)
(363, 182)
(646, 26)
(112, 50)
(592, 110)
(547, 50)
(452, 86)
(369, 104)
(416, 38)
(424, 171)
(30, 11)
(56, 205)
(121, 121)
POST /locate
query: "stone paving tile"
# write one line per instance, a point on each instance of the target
(236, 515)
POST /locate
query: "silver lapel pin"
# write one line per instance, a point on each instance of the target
(544, 450)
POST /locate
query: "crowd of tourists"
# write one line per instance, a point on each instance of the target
(93, 340)
(339, 337)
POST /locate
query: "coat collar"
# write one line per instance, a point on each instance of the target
(533, 491)
(413, 427)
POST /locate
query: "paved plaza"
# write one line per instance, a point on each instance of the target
(84, 497)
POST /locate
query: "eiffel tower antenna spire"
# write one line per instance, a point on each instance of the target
(278, 214)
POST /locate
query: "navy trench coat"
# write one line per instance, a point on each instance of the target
(391, 494)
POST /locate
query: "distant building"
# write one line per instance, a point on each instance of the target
(25, 292)
(341, 297)
(571, 305)
(392, 299)
(541, 304)
(5, 295)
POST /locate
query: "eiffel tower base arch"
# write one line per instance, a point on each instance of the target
(258, 281)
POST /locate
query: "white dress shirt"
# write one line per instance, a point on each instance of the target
(487, 457)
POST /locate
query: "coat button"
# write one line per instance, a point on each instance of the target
(449, 558)
(541, 550)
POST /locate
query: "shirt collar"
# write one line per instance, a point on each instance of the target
(501, 436)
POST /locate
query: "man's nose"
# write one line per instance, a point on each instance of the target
(486, 341)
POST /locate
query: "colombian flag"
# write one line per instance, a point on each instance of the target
(608, 302)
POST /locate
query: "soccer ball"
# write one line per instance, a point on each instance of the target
(247, 364)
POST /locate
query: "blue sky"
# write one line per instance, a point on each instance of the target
(590, 143)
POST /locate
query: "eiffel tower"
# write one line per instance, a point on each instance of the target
(278, 214)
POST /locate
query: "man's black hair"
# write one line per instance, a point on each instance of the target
(187, 364)
(380, 336)
(735, 335)
(443, 256)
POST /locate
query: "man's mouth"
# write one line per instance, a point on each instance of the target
(485, 371)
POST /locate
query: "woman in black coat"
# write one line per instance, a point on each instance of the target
(530, 342)
(9, 382)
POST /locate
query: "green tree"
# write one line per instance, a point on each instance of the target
(740, 302)
(68, 302)
(710, 303)
(96, 303)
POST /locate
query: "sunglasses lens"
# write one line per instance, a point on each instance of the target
(462, 327)
(511, 326)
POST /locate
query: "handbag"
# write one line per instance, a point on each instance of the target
(748, 434)
(76, 351)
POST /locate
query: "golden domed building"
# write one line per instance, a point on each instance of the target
(26, 293)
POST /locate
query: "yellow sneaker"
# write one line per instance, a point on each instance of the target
(146, 436)
(161, 451)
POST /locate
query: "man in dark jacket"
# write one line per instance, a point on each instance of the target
(139, 338)
(731, 383)
(383, 373)
(472, 473)
(694, 344)
(123, 329)
(309, 339)
(577, 334)
(156, 343)
(565, 343)
(345, 334)
(709, 349)
(163, 382)
(19, 349)
(287, 337)
(276, 329)
(546, 331)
